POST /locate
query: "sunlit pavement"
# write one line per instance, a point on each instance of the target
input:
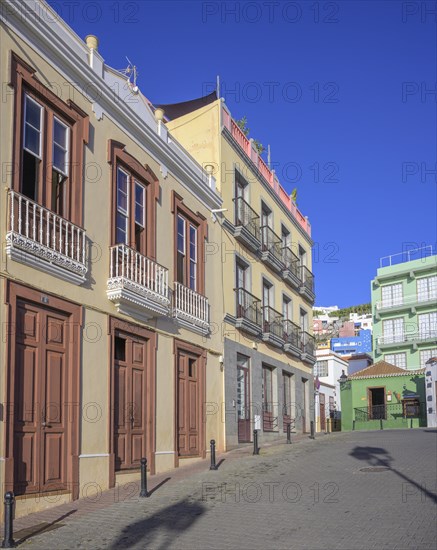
(359, 490)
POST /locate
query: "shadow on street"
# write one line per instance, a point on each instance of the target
(379, 457)
(172, 520)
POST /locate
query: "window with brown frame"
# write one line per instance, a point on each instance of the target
(190, 234)
(186, 253)
(135, 191)
(49, 135)
(130, 216)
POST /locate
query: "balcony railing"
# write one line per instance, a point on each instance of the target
(426, 334)
(191, 308)
(307, 343)
(137, 279)
(267, 174)
(273, 322)
(391, 411)
(399, 301)
(271, 242)
(407, 256)
(291, 334)
(246, 217)
(291, 262)
(35, 231)
(248, 306)
(307, 278)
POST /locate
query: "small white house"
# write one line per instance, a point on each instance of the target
(431, 392)
(328, 368)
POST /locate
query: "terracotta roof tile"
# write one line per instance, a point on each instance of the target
(379, 369)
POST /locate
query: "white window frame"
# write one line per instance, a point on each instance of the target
(120, 209)
(287, 308)
(427, 324)
(193, 261)
(184, 235)
(430, 290)
(67, 144)
(395, 297)
(318, 368)
(425, 355)
(396, 335)
(27, 97)
(139, 184)
(397, 359)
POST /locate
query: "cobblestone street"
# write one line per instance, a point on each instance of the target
(312, 494)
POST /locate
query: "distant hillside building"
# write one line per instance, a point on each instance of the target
(350, 345)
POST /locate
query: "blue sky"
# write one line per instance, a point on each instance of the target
(339, 91)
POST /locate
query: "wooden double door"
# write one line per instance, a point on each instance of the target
(190, 401)
(130, 400)
(44, 416)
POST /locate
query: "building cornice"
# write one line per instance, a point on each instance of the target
(69, 57)
(227, 135)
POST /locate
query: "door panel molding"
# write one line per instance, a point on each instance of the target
(200, 355)
(145, 336)
(53, 307)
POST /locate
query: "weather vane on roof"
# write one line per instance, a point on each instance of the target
(132, 74)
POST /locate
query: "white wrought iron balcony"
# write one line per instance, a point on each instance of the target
(406, 338)
(137, 285)
(40, 238)
(405, 302)
(190, 309)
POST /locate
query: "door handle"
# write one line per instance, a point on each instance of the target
(45, 425)
(132, 421)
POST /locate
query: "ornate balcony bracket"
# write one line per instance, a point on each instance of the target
(29, 252)
(133, 300)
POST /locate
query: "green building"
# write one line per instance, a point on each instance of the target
(383, 396)
(404, 307)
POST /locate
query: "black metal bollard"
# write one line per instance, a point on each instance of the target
(8, 541)
(289, 433)
(255, 442)
(144, 492)
(380, 424)
(327, 426)
(213, 464)
(312, 435)
(353, 425)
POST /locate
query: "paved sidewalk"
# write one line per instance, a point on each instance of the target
(359, 490)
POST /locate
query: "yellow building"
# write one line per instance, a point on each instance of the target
(109, 297)
(265, 250)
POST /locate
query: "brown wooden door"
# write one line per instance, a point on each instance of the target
(322, 412)
(41, 386)
(304, 407)
(130, 401)
(243, 404)
(286, 410)
(267, 399)
(188, 405)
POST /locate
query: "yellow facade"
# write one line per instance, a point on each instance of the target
(204, 134)
(107, 121)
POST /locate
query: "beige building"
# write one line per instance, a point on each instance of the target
(265, 249)
(110, 297)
